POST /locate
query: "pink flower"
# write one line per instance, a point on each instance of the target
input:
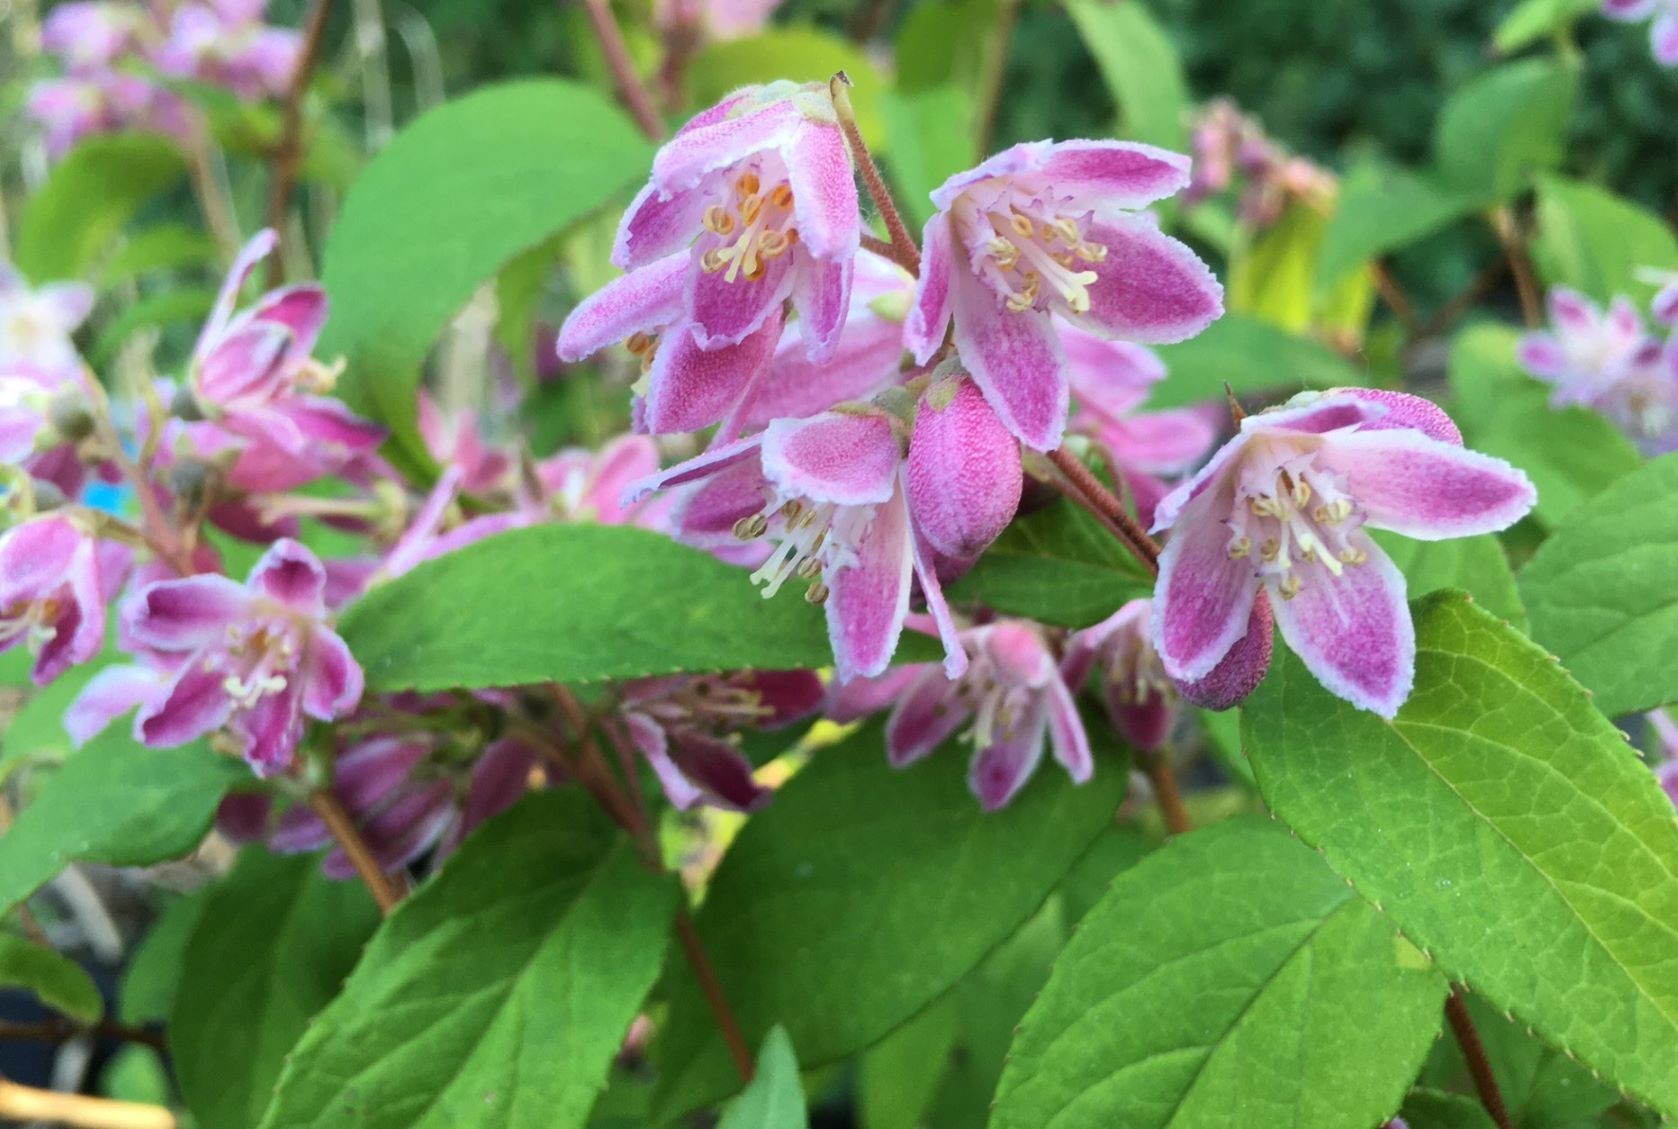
(456, 442)
(1048, 229)
(715, 20)
(69, 109)
(231, 49)
(25, 401)
(680, 724)
(36, 324)
(254, 376)
(1609, 363)
(1013, 694)
(1139, 695)
(1280, 511)
(1663, 31)
(1665, 304)
(55, 580)
(89, 36)
(255, 659)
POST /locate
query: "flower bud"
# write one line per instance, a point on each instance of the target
(185, 405)
(964, 476)
(69, 415)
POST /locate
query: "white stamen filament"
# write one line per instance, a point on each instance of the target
(811, 538)
(1033, 253)
(1300, 520)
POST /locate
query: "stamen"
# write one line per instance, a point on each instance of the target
(1240, 547)
(782, 196)
(719, 220)
(751, 528)
(747, 184)
(816, 594)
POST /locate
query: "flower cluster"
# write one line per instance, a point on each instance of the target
(1231, 147)
(1663, 24)
(110, 48)
(1611, 362)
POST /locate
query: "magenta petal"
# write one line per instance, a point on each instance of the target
(1665, 304)
(372, 770)
(1015, 359)
(824, 198)
(260, 246)
(964, 475)
(271, 730)
(868, 601)
(926, 714)
(1628, 9)
(1427, 489)
(726, 311)
(932, 589)
(290, 574)
(1354, 632)
(655, 226)
(685, 159)
(300, 309)
(709, 512)
(691, 387)
(181, 615)
(720, 770)
(243, 816)
(297, 830)
(641, 301)
(821, 294)
(1144, 725)
(1571, 310)
(865, 697)
(108, 695)
(1001, 769)
(401, 833)
(1150, 288)
(864, 363)
(1121, 174)
(1315, 413)
(694, 469)
(1203, 598)
(1542, 355)
(1067, 737)
(37, 555)
(333, 680)
(194, 706)
(649, 738)
(499, 778)
(1663, 39)
(1240, 671)
(788, 695)
(929, 315)
(847, 458)
(1405, 410)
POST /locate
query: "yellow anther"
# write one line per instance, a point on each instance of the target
(773, 245)
(719, 220)
(809, 566)
(747, 184)
(750, 207)
(639, 343)
(1004, 252)
(816, 593)
(1064, 258)
(1091, 252)
(1240, 547)
(1022, 225)
(750, 528)
(714, 260)
(791, 509)
(782, 196)
(1352, 556)
(1262, 506)
(1068, 231)
(1289, 588)
(1301, 492)
(1270, 549)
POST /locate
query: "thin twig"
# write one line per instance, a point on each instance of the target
(1446, 315)
(869, 19)
(994, 77)
(631, 90)
(287, 155)
(61, 1030)
(1526, 282)
(1395, 298)
(886, 250)
(1166, 793)
(1105, 504)
(1474, 1053)
(27, 1104)
(908, 254)
(382, 886)
(688, 935)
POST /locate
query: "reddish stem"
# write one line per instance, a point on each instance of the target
(908, 255)
(1166, 793)
(385, 890)
(1092, 493)
(1474, 1053)
(287, 156)
(631, 90)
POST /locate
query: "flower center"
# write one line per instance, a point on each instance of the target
(34, 619)
(714, 704)
(755, 226)
(1034, 256)
(1136, 673)
(1295, 522)
(255, 659)
(811, 538)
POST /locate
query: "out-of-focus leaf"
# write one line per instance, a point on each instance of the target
(932, 145)
(154, 971)
(1594, 241)
(1505, 825)
(1231, 970)
(899, 1076)
(518, 293)
(1504, 126)
(1435, 1109)
(60, 982)
(91, 194)
(1382, 208)
(774, 1100)
(1531, 20)
(165, 246)
(1252, 356)
(136, 1074)
(942, 43)
(1603, 591)
(1141, 67)
(799, 54)
(1476, 565)
(1273, 276)
(175, 306)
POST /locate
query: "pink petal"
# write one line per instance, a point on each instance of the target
(1109, 378)
(1426, 489)
(694, 469)
(1315, 413)
(932, 590)
(1150, 288)
(1144, 725)
(926, 714)
(1405, 410)
(1629, 10)
(621, 462)
(402, 832)
(1161, 442)
(1122, 174)
(708, 513)
(821, 294)
(1015, 359)
(1665, 304)
(1354, 632)
(1542, 355)
(499, 778)
(300, 309)
(726, 312)
(686, 158)
(1203, 599)
(290, 574)
(789, 695)
(691, 387)
(867, 602)
(195, 705)
(929, 314)
(1663, 38)
(271, 730)
(258, 248)
(720, 770)
(964, 475)
(641, 301)
(655, 226)
(182, 615)
(824, 198)
(332, 679)
(36, 556)
(649, 738)
(1240, 671)
(371, 770)
(865, 697)
(850, 459)
(1001, 769)
(1024, 157)
(1067, 737)
(1571, 310)
(108, 695)
(243, 817)
(70, 302)
(864, 363)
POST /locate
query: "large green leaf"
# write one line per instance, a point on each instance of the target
(1505, 825)
(90, 195)
(1603, 591)
(1571, 454)
(1141, 67)
(774, 1100)
(1250, 355)
(1230, 971)
(1382, 208)
(1533, 19)
(573, 603)
(931, 146)
(497, 994)
(60, 982)
(452, 198)
(155, 967)
(114, 802)
(1597, 242)
(273, 944)
(863, 893)
(1476, 565)
(163, 246)
(1506, 125)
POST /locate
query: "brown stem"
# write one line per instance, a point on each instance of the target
(1459, 303)
(1106, 505)
(869, 19)
(61, 1030)
(1474, 1053)
(287, 155)
(1395, 298)
(688, 934)
(994, 77)
(25, 1104)
(385, 890)
(1526, 282)
(1166, 794)
(632, 92)
(908, 254)
(885, 250)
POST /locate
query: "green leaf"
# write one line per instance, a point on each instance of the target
(1056, 565)
(1251, 355)
(1597, 242)
(518, 295)
(498, 993)
(1434, 1109)
(1381, 209)
(932, 144)
(1141, 67)
(798, 54)
(1500, 129)
(1531, 20)
(60, 982)
(1273, 274)
(164, 246)
(1571, 454)
(274, 942)
(136, 1074)
(153, 976)
(454, 197)
(774, 1100)
(923, 882)
(899, 1076)
(182, 306)
(87, 200)
(1254, 980)
(1476, 565)
(1507, 828)
(35, 734)
(1603, 590)
(632, 603)
(117, 803)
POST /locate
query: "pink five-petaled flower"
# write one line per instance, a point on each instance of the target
(1607, 362)
(1279, 513)
(1012, 691)
(254, 376)
(859, 506)
(1663, 31)
(1047, 229)
(255, 658)
(55, 579)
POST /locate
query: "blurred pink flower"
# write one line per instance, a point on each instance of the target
(1663, 26)
(55, 581)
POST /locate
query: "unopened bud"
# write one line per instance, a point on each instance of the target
(185, 405)
(192, 482)
(47, 495)
(70, 417)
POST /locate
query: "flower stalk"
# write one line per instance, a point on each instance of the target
(907, 254)
(631, 90)
(1088, 490)
(287, 155)
(1474, 1053)
(385, 889)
